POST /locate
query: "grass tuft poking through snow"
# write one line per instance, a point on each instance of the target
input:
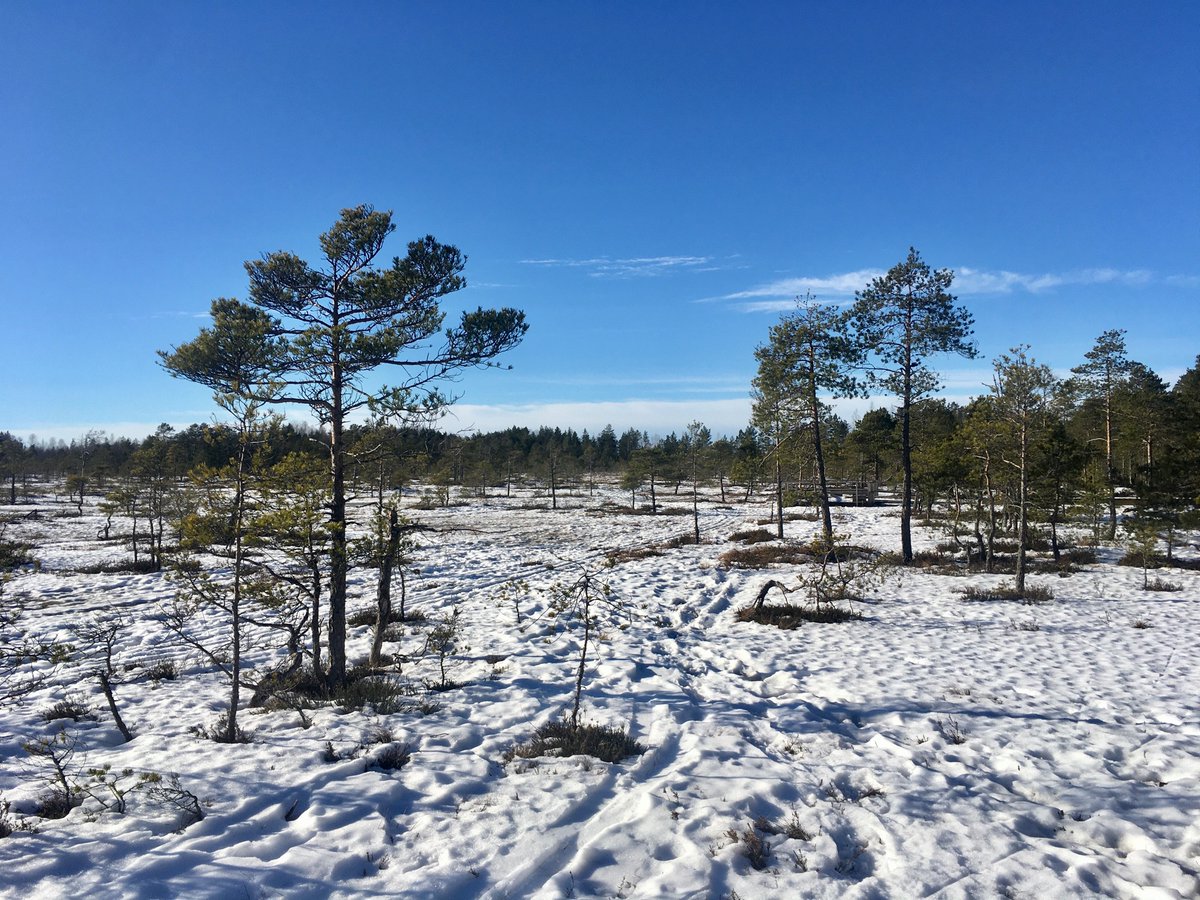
(558, 738)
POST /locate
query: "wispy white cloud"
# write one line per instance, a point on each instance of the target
(976, 281)
(1185, 281)
(779, 295)
(634, 267)
(841, 285)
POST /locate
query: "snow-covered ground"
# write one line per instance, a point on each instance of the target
(936, 747)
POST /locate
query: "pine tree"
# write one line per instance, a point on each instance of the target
(901, 319)
(1023, 391)
(1099, 380)
(326, 329)
(807, 354)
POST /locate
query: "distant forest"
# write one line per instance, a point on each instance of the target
(957, 452)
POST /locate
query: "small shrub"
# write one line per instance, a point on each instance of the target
(14, 555)
(802, 517)
(922, 559)
(68, 709)
(792, 828)
(558, 738)
(632, 554)
(169, 794)
(759, 556)
(1032, 594)
(986, 594)
(391, 757)
(1141, 623)
(378, 735)
(1158, 584)
(124, 567)
(218, 732)
(787, 616)
(56, 805)
(756, 848)
(380, 693)
(163, 670)
(444, 641)
(360, 617)
(9, 825)
(752, 536)
(331, 754)
(1035, 594)
(948, 729)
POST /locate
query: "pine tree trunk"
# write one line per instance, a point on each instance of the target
(906, 462)
(384, 593)
(338, 559)
(778, 493)
(1023, 510)
(1109, 471)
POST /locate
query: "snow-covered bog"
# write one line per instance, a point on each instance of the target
(934, 747)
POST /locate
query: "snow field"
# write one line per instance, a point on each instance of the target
(937, 747)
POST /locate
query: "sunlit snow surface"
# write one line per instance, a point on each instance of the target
(1077, 775)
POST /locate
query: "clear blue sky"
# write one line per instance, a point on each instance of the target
(651, 182)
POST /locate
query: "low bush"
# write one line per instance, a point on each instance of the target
(56, 805)
(759, 556)
(1080, 556)
(218, 732)
(787, 616)
(752, 536)
(1031, 595)
(14, 555)
(9, 825)
(924, 559)
(1159, 584)
(390, 757)
(631, 554)
(163, 670)
(558, 738)
(360, 617)
(69, 708)
(369, 614)
(121, 567)
(1136, 560)
(379, 692)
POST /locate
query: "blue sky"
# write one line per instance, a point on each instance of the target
(651, 183)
